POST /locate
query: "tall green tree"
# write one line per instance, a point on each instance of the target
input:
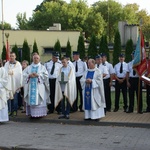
(68, 49)
(57, 47)
(117, 47)
(101, 44)
(15, 50)
(40, 7)
(92, 50)
(35, 48)
(81, 46)
(4, 53)
(142, 14)
(94, 24)
(7, 26)
(26, 51)
(129, 13)
(110, 15)
(128, 50)
(71, 15)
(103, 47)
(22, 21)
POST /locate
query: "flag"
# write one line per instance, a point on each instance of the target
(148, 69)
(7, 51)
(139, 62)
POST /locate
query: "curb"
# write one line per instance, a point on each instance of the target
(80, 122)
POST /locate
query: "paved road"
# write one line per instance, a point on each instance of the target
(46, 136)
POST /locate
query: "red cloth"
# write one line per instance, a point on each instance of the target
(7, 52)
(141, 67)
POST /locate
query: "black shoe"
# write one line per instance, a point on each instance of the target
(81, 110)
(140, 112)
(97, 120)
(23, 111)
(147, 111)
(87, 119)
(58, 112)
(62, 117)
(50, 112)
(129, 111)
(116, 109)
(109, 110)
(67, 117)
(125, 109)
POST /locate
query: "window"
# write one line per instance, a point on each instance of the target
(48, 50)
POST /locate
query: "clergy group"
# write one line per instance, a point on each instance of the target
(62, 86)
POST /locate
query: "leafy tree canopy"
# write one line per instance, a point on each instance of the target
(101, 17)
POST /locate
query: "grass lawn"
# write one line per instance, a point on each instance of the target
(121, 101)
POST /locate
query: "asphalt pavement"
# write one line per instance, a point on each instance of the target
(50, 136)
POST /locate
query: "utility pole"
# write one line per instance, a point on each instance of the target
(2, 22)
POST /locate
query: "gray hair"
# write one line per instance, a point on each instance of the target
(25, 61)
(92, 60)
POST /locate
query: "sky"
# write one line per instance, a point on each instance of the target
(13, 7)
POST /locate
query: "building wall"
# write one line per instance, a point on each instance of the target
(43, 39)
(121, 28)
(131, 32)
(128, 32)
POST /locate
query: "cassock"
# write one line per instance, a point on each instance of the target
(93, 94)
(14, 77)
(3, 95)
(69, 89)
(36, 90)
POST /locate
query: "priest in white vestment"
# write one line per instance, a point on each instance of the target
(65, 90)
(14, 70)
(93, 92)
(36, 88)
(3, 94)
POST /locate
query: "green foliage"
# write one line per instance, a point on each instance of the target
(35, 48)
(94, 24)
(92, 50)
(103, 47)
(101, 17)
(4, 53)
(81, 46)
(68, 49)
(142, 14)
(26, 51)
(129, 49)
(129, 13)
(57, 47)
(15, 50)
(146, 32)
(7, 26)
(40, 7)
(111, 12)
(22, 21)
(117, 47)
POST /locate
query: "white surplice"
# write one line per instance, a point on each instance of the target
(3, 95)
(97, 95)
(69, 90)
(14, 77)
(42, 91)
